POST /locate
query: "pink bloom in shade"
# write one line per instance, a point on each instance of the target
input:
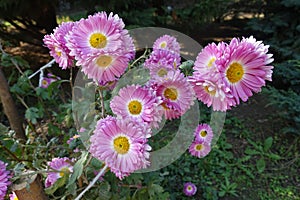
(137, 103)
(4, 179)
(176, 93)
(45, 82)
(104, 68)
(203, 133)
(199, 149)
(189, 189)
(212, 91)
(167, 42)
(163, 57)
(56, 42)
(13, 196)
(121, 145)
(62, 166)
(246, 68)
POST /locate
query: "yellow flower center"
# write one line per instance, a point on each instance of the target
(235, 72)
(135, 107)
(189, 188)
(203, 133)
(121, 145)
(199, 147)
(210, 62)
(64, 171)
(44, 82)
(104, 61)
(212, 93)
(171, 93)
(162, 72)
(98, 40)
(163, 45)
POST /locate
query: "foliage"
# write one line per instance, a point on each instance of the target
(281, 27)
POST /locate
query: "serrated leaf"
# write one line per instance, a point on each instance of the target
(268, 143)
(261, 165)
(78, 168)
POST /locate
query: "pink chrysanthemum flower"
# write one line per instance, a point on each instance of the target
(205, 61)
(4, 179)
(137, 103)
(56, 42)
(163, 57)
(189, 189)
(104, 67)
(167, 42)
(203, 133)
(13, 196)
(121, 145)
(101, 46)
(159, 71)
(246, 68)
(199, 149)
(62, 166)
(177, 94)
(212, 91)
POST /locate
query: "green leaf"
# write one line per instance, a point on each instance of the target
(32, 114)
(251, 152)
(268, 143)
(261, 165)
(78, 168)
(59, 183)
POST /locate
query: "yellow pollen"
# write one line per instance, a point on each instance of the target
(162, 72)
(44, 82)
(171, 93)
(104, 61)
(58, 53)
(212, 93)
(203, 133)
(199, 147)
(135, 107)
(210, 62)
(98, 40)
(64, 171)
(189, 188)
(121, 145)
(235, 72)
(163, 45)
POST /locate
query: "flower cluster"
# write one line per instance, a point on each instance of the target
(225, 73)
(201, 145)
(4, 179)
(222, 75)
(59, 167)
(99, 44)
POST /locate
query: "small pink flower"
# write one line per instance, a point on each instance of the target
(189, 189)
(62, 166)
(203, 133)
(199, 149)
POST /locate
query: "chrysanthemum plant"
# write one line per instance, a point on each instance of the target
(124, 117)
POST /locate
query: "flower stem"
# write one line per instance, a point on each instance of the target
(92, 183)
